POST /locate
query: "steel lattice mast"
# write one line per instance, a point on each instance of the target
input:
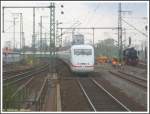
(52, 29)
(120, 33)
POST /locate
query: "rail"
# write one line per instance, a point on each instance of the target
(19, 77)
(137, 81)
(100, 99)
(115, 99)
(139, 78)
(13, 72)
(39, 102)
(16, 97)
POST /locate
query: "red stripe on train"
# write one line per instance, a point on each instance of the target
(82, 66)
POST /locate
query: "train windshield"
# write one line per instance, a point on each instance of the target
(82, 52)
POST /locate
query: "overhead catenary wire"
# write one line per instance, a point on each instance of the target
(135, 28)
(91, 17)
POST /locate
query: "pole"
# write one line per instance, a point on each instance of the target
(52, 35)
(145, 50)
(125, 36)
(33, 41)
(61, 38)
(3, 19)
(14, 33)
(120, 33)
(52, 29)
(57, 39)
(41, 45)
(93, 36)
(23, 43)
(23, 38)
(20, 31)
(45, 45)
(121, 47)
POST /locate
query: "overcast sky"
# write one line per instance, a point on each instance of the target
(79, 14)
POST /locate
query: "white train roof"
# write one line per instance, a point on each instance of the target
(81, 46)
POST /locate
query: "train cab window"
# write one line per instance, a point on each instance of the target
(82, 52)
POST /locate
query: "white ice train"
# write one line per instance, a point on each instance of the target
(80, 58)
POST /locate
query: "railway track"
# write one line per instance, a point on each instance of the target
(139, 78)
(24, 88)
(142, 65)
(99, 98)
(10, 73)
(15, 78)
(14, 72)
(89, 95)
(131, 78)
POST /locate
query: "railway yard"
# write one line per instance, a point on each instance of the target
(108, 88)
(73, 56)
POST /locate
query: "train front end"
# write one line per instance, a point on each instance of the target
(82, 58)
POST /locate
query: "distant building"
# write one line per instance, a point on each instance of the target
(77, 39)
(108, 42)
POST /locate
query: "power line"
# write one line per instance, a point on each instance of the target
(142, 18)
(88, 28)
(135, 28)
(93, 13)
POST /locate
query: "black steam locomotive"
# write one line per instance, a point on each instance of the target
(130, 56)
